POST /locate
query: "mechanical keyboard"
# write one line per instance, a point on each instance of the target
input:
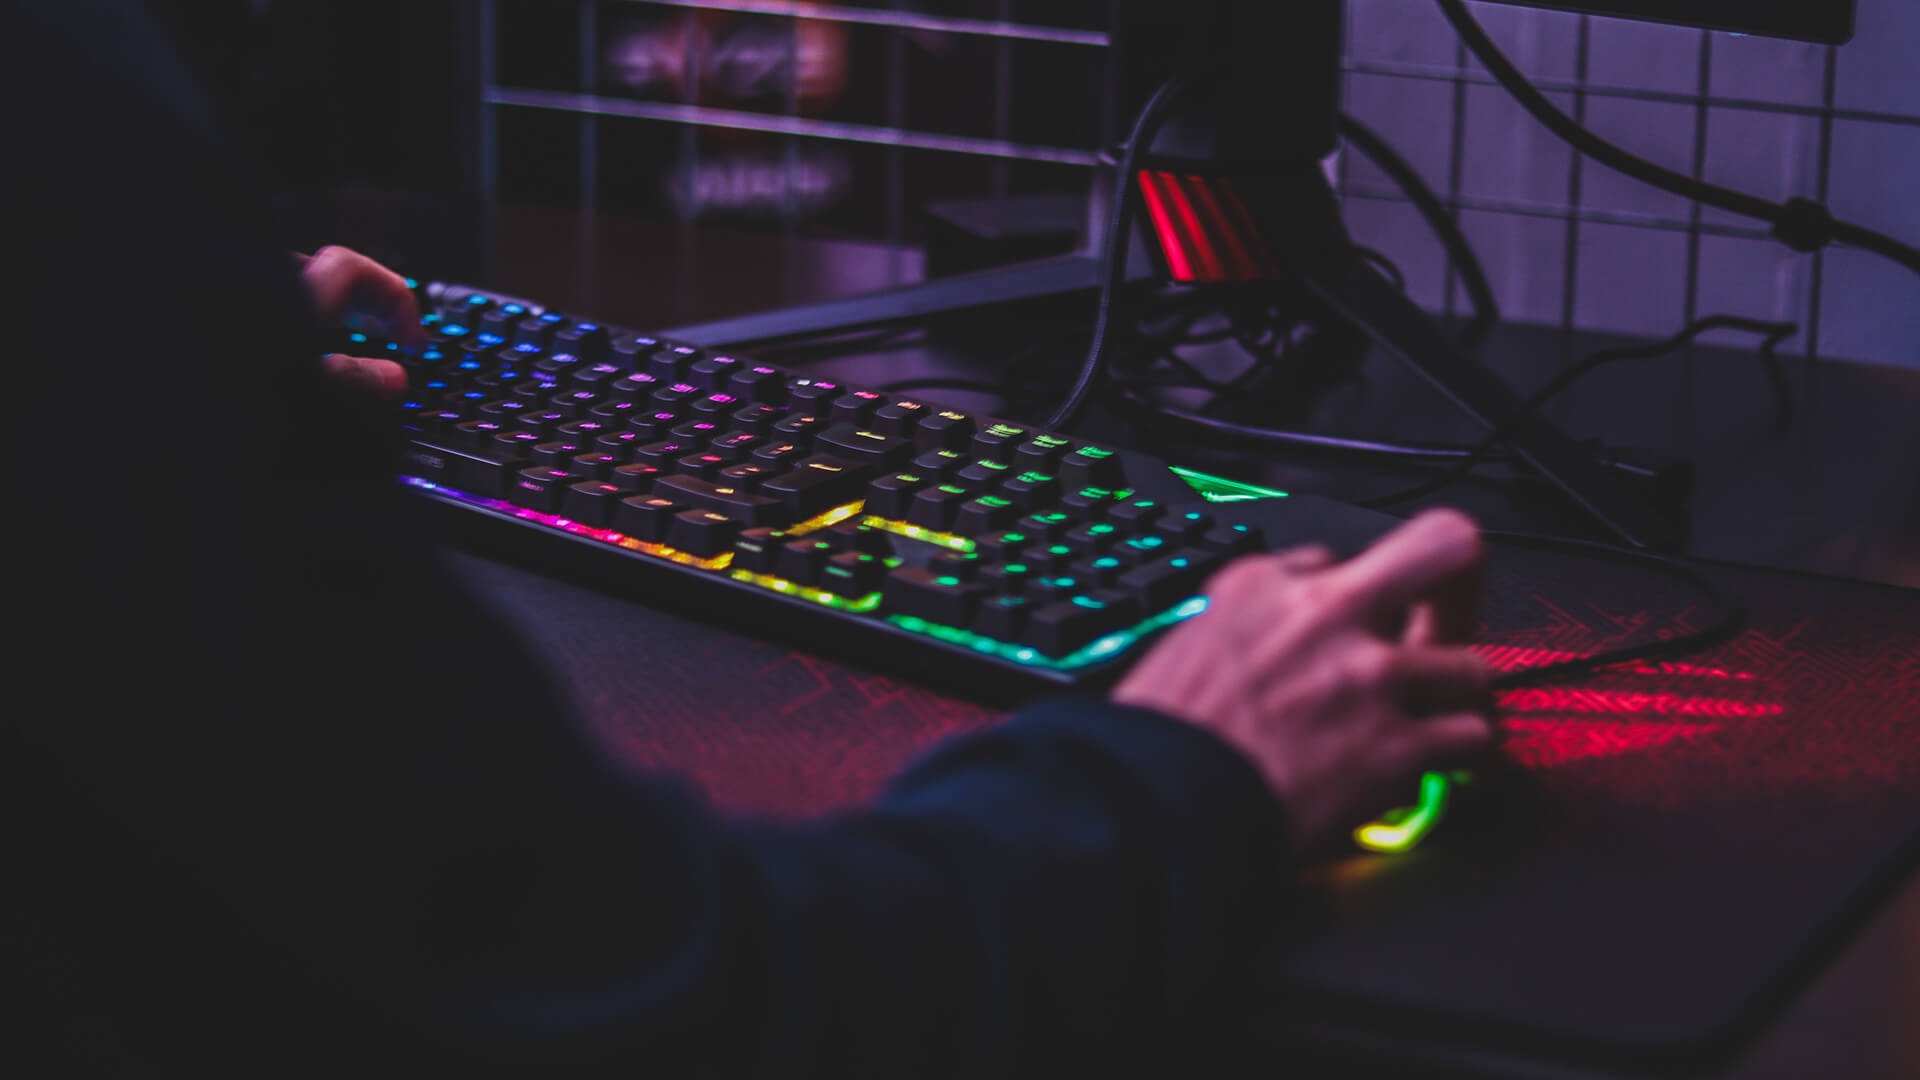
(955, 548)
(961, 550)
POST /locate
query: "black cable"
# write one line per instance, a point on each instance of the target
(1300, 438)
(1384, 265)
(1473, 276)
(1732, 619)
(1114, 256)
(1774, 333)
(1800, 224)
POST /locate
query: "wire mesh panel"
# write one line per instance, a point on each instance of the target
(1572, 244)
(867, 120)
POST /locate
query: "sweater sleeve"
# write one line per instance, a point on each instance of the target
(289, 801)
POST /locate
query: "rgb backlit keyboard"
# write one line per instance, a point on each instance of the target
(961, 550)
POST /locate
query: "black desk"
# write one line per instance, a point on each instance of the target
(1797, 496)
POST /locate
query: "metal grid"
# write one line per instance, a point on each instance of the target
(1424, 65)
(1383, 67)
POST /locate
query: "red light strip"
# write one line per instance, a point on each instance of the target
(1241, 266)
(1210, 264)
(1179, 267)
(1240, 224)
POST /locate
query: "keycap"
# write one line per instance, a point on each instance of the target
(704, 533)
(1162, 583)
(855, 406)
(947, 429)
(890, 496)
(1184, 528)
(1003, 617)
(1039, 454)
(541, 487)
(899, 417)
(940, 598)
(935, 507)
(591, 502)
(859, 444)
(818, 484)
(1234, 539)
(998, 441)
(1061, 629)
(645, 517)
(986, 514)
(852, 574)
(736, 503)
(1092, 466)
(713, 372)
(802, 560)
(757, 549)
(636, 478)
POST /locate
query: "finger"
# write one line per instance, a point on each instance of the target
(382, 378)
(1433, 679)
(345, 283)
(1453, 740)
(1306, 559)
(1436, 557)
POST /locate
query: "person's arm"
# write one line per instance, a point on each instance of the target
(298, 795)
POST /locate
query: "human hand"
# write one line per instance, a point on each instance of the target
(350, 289)
(1341, 683)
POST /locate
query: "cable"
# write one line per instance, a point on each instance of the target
(1732, 620)
(1801, 224)
(1301, 438)
(1473, 276)
(1774, 334)
(1114, 256)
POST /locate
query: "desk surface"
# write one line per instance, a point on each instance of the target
(1833, 490)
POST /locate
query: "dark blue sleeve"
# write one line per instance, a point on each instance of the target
(286, 800)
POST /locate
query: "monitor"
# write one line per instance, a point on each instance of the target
(1829, 21)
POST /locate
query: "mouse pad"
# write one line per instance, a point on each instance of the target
(1678, 845)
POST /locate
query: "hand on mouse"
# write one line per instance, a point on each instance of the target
(352, 289)
(1341, 683)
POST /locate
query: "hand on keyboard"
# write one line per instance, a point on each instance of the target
(349, 288)
(1338, 681)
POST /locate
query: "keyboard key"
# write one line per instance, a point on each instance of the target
(939, 598)
(704, 533)
(946, 429)
(998, 442)
(758, 549)
(900, 417)
(1039, 453)
(863, 445)
(935, 507)
(713, 372)
(1160, 584)
(852, 574)
(1136, 512)
(736, 503)
(855, 406)
(817, 485)
(541, 488)
(810, 393)
(1032, 491)
(1092, 466)
(802, 560)
(591, 502)
(940, 463)
(890, 496)
(986, 514)
(1234, 540)
(1062, 629)
(757, 383)
(1184, 528)
(645, 517)
(636, 479)
(1003, 617)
